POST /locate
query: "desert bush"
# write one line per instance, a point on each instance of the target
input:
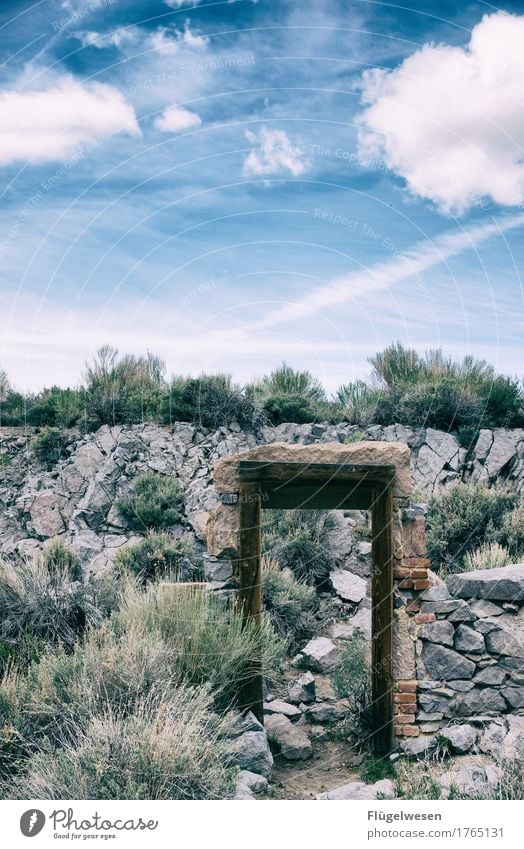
(297, 540)
(293, 607)
(207, 639)
(173, 751)
(210, 401)
(155, 502)
(126, 390)
(56, 407)
(462, 518)
(160, 638)
(490, 555)
(42, 605)
(49, 446)
(291, 396)
(512, 535)
(158, 556)
(59, 557)
(358, 402)
(351, 680)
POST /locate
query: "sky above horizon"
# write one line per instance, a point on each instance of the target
(233, 184)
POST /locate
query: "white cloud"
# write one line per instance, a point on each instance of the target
(117, 38)
(169, 41)
(274, 154)
(50, 125)
(449, 119)
(176, 120)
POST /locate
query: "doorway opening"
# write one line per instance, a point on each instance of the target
(324, 486)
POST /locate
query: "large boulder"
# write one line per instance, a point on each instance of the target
(348, 585)
(474, 780)
(250, 748)
(290, 741)
(461, 738)
(505, 583)
(320, 654)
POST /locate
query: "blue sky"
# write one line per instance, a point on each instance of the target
(231, 184)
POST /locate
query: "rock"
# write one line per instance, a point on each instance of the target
(244, 722)
(514, 695)
(441, 607)
(325, 712)
(468, 640)
(503, 641)
(250, 751)
(475, 780)
(249, 783)
(47, 513)
(505, 583)
(491, 675)
(278, 706)
(437, 632)
(358, 625)
(503, 450)
(418, 747)
(483, 608)
(513, 743)
(414, 538)
(320, 654)
(364, 550)
(486, 700)
(289, 740)
(462, 614)
(484, 626)
(491, 739)
(324, 689)
(222, 531)
(348, 585)
(403, 647)
(461, 686)
(461, 738)
(303, 689)
(446, 664)
(438, 593)
(383, 789)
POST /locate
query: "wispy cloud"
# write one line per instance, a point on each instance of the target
(275, 154)
(422, 257)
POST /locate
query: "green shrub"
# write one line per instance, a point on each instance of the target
(376, 768)
(59, 557)
(160, 637)
(49, 446)
(160, 555)
(297, 540)
(512, 535)
(293, 608)
(351, 680)
(210, 401)
(41, 605)
(174, 751)
(461, 519)
(56, 407)
(289, 408)
(490, 555)
(207, 639)
(291, 396)
(123, 391)
(358, 401)
(156, 502)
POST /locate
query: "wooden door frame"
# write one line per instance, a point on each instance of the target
(328, 486)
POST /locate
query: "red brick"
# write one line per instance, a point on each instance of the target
(407, 686)
(416, 563)
(419, 573)
(406, 584)
(399, 573)
(404, 718)
(407, 708)
(413, 607)
(423, 618)
(421, 585)
(405, 698)
(411, 731)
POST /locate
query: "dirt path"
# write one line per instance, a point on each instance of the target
(331, 765)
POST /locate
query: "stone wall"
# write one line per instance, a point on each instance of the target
(470, 648)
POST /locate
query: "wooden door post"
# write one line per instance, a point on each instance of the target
(382, 621)
(250, 588)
